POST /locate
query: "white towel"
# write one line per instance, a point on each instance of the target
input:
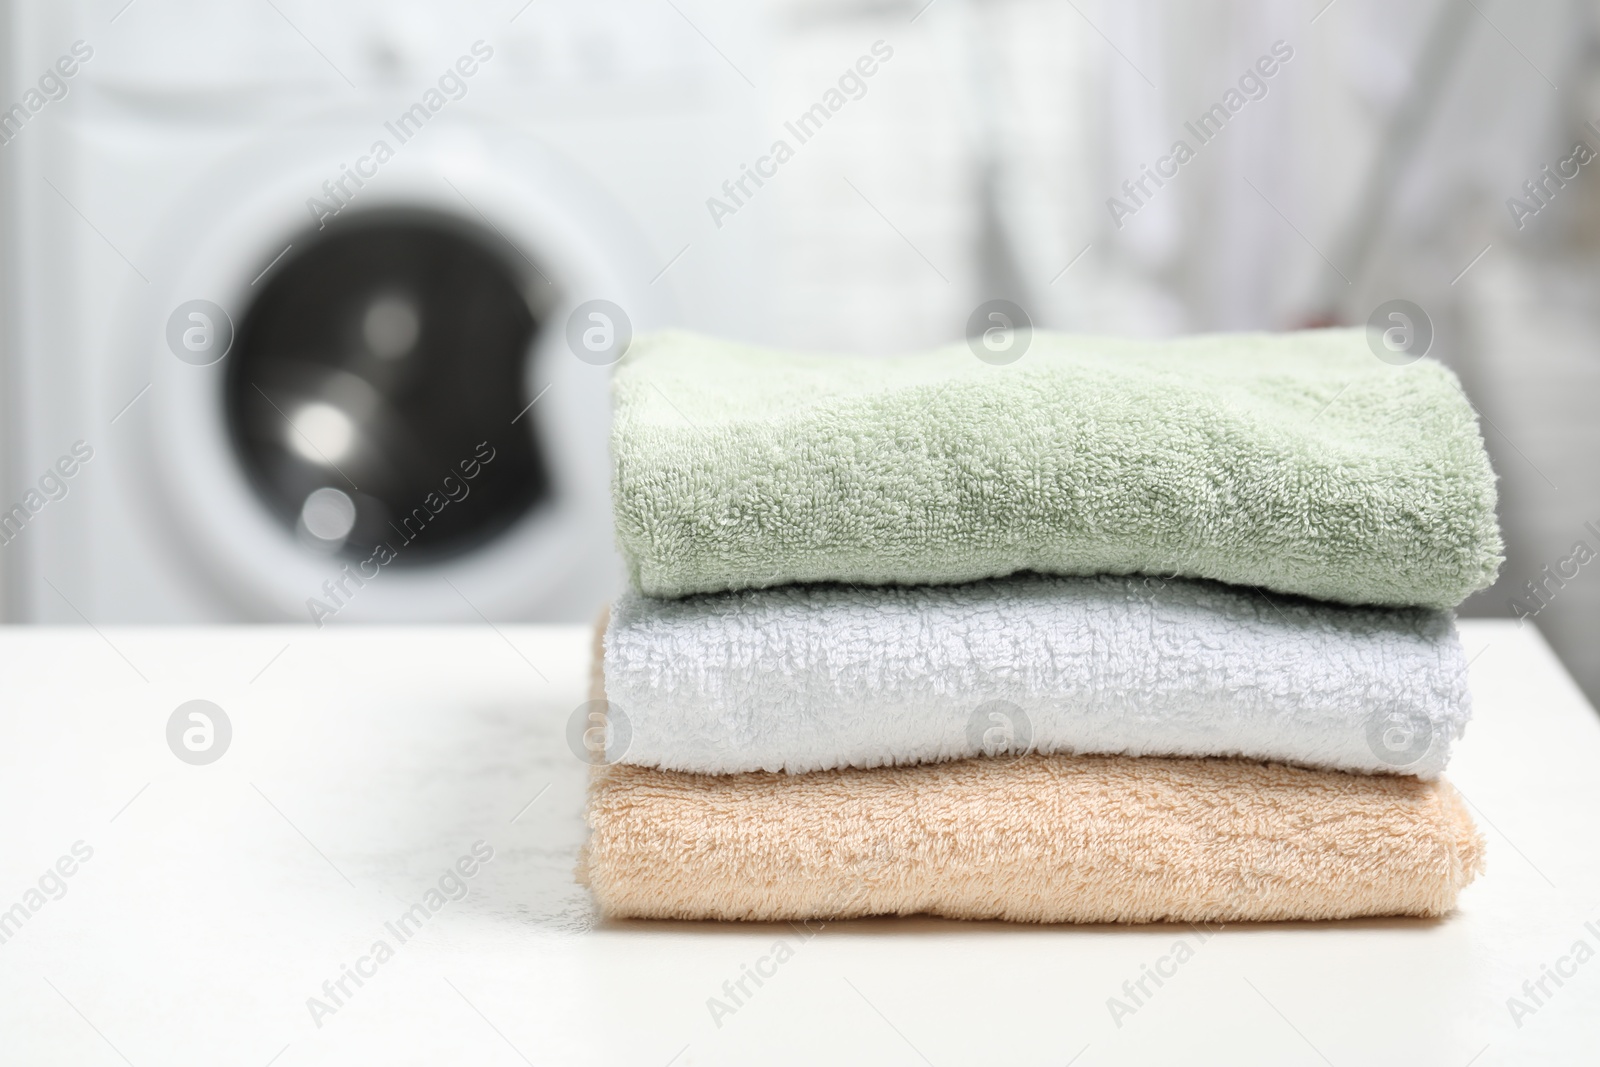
(806, 678)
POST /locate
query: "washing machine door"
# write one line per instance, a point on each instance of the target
(375, 385)
(365, 406)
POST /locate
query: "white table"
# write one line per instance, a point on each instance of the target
(364, 762)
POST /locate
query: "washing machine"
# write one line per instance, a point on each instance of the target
(311, 309)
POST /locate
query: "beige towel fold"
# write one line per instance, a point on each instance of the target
(1039, 839)
(1035, 839)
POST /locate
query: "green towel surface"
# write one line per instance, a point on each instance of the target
(1298, 462)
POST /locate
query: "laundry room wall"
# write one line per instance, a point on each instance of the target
(8, 285)
(989, 152)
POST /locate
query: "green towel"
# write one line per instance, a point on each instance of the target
(1298, 462)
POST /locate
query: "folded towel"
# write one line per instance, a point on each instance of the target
(804, 678)
(1040, 839)
(1298, 462)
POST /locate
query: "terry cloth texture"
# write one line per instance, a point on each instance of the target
(1039, 839)
(1298, 462)
(805, 678)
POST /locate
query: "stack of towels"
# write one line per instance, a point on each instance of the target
(1121, 632)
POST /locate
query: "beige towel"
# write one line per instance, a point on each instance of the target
(1041, 839)
(1035, 839)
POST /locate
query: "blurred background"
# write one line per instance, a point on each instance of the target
(291, 289)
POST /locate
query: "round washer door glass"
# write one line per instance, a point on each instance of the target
(375, 389)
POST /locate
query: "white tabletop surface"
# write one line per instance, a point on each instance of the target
(365, 762)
